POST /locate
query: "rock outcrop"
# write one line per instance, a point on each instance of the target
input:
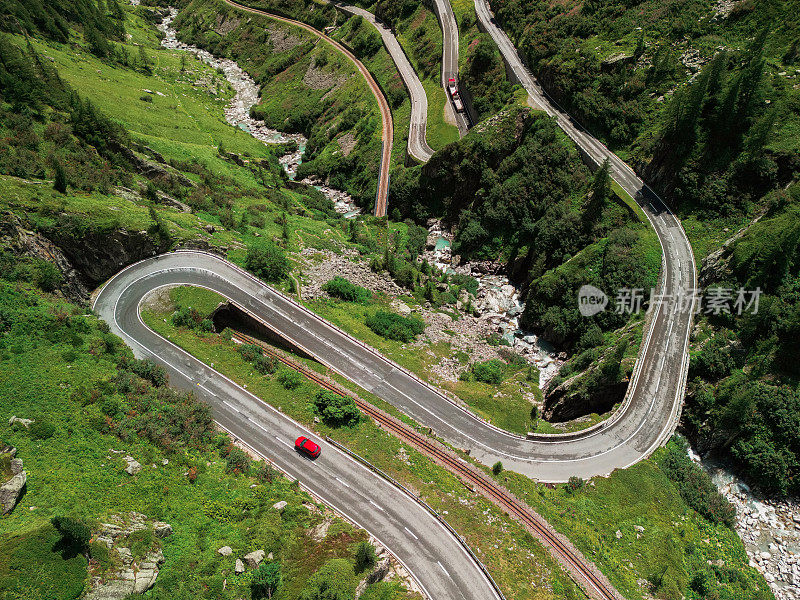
(23, 242)
(137, 574)
(254, 558)
(100, 254)
(11, 491)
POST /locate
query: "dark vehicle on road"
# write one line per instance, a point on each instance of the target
(307, 447)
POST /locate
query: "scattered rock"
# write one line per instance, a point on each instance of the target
(11, 491)
(254, 558)
(162, 529)
(16, 420)
(280, 506)
(239, 567)
(618, 534)
(133, 465)
(225, 551)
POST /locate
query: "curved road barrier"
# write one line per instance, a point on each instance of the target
(417, 144)
(386, 114)
(659, 377)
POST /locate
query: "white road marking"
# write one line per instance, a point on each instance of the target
(231, 406)
(342, 482)
(411, 533)
(378, 506)
(281, 440)
(441, 566)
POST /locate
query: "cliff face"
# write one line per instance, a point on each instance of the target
(594, 381)
(22, 242)
(581, 395)
(100, 254)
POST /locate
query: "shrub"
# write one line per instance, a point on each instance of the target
(146, 98)
(191, 474)
(497, 468)
(266, 473)
(41, 430)
(489, 371)
(146, 369)
(336, 410)
(694, 484)
(238, 461)
(574, 484)
(250, 352)
(75, 534)
(395, 327)
(266, 365)
(267, 261)
(266, 580)
(341, 288)
(290, 379)
(60, 181)
(365, 556)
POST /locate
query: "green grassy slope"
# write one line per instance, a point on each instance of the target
(59, 367)
(664, 542)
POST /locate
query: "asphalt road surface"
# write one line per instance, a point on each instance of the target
(387, 133)
(417, 145)
(447, 21)
(644, 424)
(657, 388)
(437, 560)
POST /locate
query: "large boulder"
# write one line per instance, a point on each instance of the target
(254, 558)
(133, 466)
(11, 491)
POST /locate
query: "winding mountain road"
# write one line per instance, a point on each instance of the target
(655, 393)
(417, 144)
(387, 132)
(447, 21)
(438, 562)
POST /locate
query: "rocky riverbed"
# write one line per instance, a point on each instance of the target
(237, 113)
(497, 302)
(496, 308)
(770, 530)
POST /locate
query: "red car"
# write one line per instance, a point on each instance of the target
(307, 447)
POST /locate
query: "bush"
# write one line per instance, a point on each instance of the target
(336, 410)
(395, 327)
(265, 473)
(41, 430)
(266, 365)
(574, 484)
(267, 261)
(290, 379)
(75, 534)
(489, 371)
(497, 468)
(365, 556)
(341, 288)
(250, 352)
(694, 484)
(266, 580)
(238, 461)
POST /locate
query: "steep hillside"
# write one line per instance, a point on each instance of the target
(517, 192)
(306, 87)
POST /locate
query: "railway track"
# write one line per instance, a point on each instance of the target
(583, 572)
